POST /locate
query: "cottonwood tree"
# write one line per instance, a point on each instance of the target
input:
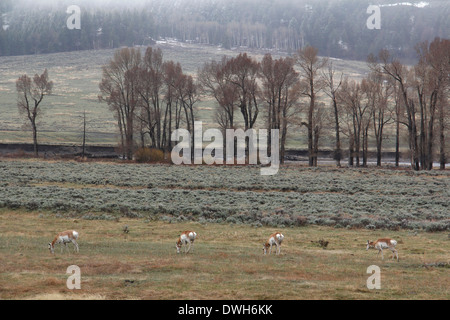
(378, 92)
(172, 78)
(432, 80)
(214, 78)
(233, 82)
(332, 85)
(165, 99)
(189, 95)
(186, 92)
(398, 113)
(309, 63)
(349, 95)
(119, 89)
(243, 72)
(175, 99)
(422, 88)
(358, 119)
(444, 115)
(404, 77)
(425, 90)
(30, 93)
(150, 88)
(280, 90)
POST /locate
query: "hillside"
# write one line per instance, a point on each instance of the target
(336, 28)
(76, 76)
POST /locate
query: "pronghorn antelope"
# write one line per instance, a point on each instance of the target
(381, 244)
(274, 239)
(186, 238)
(64, 238)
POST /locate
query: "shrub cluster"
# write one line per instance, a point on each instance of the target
(362, 198)
(144, 155)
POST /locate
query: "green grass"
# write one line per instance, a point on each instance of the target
(226, 263)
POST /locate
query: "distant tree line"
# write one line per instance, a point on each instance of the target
(37, 32)
(335, 28)
(152, 98)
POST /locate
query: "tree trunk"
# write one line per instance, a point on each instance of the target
(365, 146)
(429, 147)
(35, 143)
(84, 134)
(442, 159)
(122, 138)
(397, 141)
(130, 139)
(316, 145)
(422, 137)
(337, 151)
(412, 129)
(351, 144)
(311, 132)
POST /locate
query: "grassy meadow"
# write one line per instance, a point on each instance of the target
(226, 262)
(233, 210)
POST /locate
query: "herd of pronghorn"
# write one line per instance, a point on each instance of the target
(187, 239)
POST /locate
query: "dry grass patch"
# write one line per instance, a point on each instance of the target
(227, 262)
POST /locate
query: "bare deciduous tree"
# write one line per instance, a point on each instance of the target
(404, 78)
(280, 91)
(243, 72)
(119, 88)
(358, 117)
(233, 84)
(378, 92)
(188, 94)
(151, 81)
(309, 63)
(214, 80)
(30, 93)
(432, 79)
(423, 90)
(331, 88)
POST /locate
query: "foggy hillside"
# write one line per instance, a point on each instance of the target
(337, 28)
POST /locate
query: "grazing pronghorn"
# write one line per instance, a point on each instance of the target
(64, 238)
(186, 238)
(381, 244)
(274, 239)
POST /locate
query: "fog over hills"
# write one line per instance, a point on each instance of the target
(336, 28)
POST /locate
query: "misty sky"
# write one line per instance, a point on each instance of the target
(152, 4)
(132, 3)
